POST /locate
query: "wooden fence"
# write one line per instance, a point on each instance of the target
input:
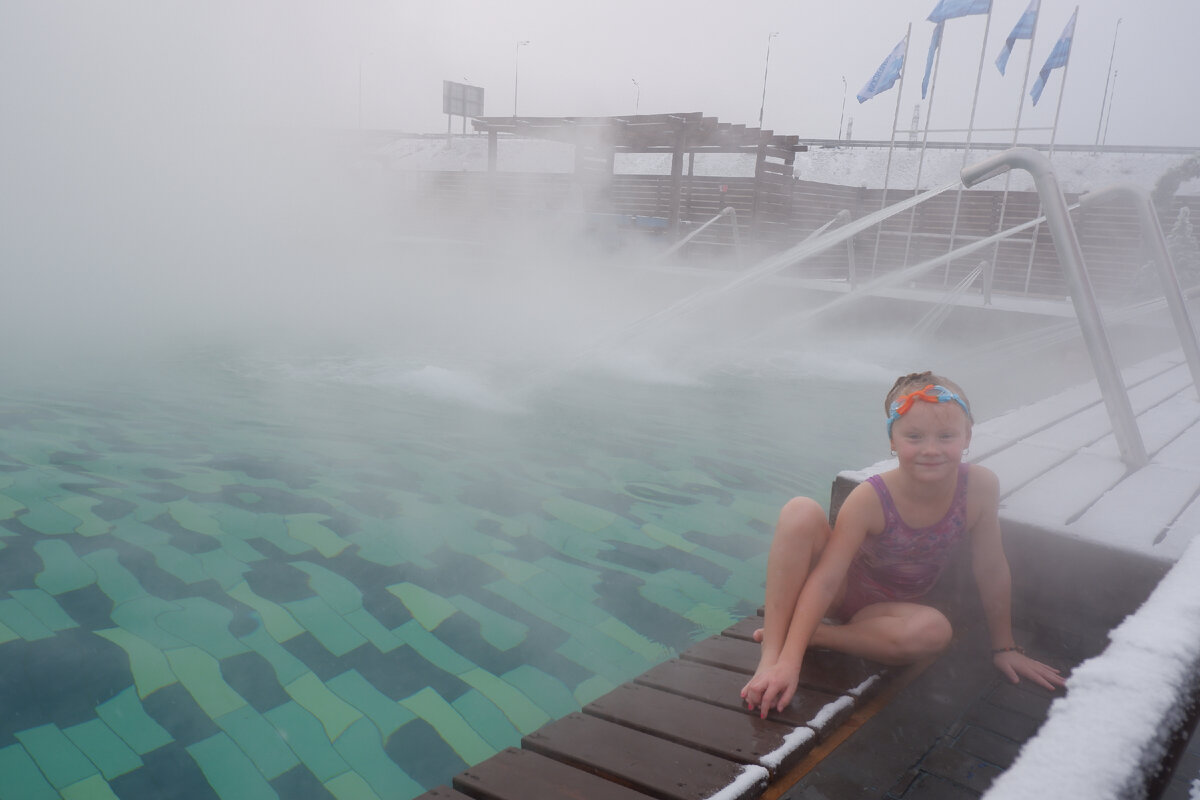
(779, 212)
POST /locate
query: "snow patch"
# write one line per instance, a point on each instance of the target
(792, 742)
(1077, 172)
(857, 691)
(829, 711)
(752, 775)
(1111, 729)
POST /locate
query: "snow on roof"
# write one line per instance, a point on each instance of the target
(1077, 172)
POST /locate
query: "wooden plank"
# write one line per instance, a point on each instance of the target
(443, 793)
(1022, 463)
(732, 735)
(1123, 518)
(812, 708)
(1162, 423)
(836, 673)
(644, 762)
(1062, 493)
(514, 774)
(744, 628)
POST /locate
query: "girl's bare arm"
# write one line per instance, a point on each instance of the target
(994, 579)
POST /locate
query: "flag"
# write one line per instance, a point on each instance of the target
(1058, 58)
(1022, 30)
(933, 46)
(885, 77)
(949, 9)
(944, 10)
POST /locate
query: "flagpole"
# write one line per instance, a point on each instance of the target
(1062, 88)
(1016, 136)
(1107, 80)
(1050, 154)
(970, 129)
(887, 170)
(912, 217)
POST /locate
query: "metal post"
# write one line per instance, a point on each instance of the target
(766, 66)
(1104, 97)
(517, 72)
(1152, 233)
(1112, 388)
(989, 277)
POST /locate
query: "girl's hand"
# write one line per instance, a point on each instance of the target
(772, 686)
(1016, 665)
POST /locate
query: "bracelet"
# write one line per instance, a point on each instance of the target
(1016, 648)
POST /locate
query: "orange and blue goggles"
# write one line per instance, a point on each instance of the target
(933, 393)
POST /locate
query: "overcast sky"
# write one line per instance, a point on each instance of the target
(379, 63)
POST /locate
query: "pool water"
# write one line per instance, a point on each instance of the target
(346, 577)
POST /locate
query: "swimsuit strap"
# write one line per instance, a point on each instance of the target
(890, 512)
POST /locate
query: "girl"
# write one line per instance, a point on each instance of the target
(894, 535)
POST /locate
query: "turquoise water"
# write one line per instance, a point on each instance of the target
(352, 577)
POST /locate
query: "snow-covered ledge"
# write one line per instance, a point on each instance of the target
(1107, 736)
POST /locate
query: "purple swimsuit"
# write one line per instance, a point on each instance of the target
(903, 563)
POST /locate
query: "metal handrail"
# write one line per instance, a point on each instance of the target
(1095, 336)
(1152, 232)
(726, 211)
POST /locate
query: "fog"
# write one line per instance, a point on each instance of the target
(173, 179)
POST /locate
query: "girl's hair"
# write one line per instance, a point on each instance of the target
(915, 381)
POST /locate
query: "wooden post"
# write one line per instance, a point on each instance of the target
(677, 175)
(755, 208)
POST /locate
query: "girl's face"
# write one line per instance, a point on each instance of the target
(930, 439)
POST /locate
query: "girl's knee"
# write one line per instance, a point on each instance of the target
(802, 514)
(929, 633)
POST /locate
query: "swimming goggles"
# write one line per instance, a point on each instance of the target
(930, 394)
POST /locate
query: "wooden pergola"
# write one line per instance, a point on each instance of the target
(597, 140)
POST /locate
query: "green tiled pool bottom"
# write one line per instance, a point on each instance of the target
(219, 596)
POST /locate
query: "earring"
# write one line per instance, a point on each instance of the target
(893, 453)
(965, 452)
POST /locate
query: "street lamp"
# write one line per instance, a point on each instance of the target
(517, 72)
(843, 116)
(766, 66)
(638, 102)
(1104, 98)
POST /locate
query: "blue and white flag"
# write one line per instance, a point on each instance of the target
(1022, 30)
(949, 9)
(934, 44)
(944, 10)
(885, 77)
(1058, 58)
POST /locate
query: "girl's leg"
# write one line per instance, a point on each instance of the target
(891, 633)
(800, 535)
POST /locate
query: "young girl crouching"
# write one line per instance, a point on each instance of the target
(853, 588)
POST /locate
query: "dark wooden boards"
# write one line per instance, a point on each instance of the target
(709, 684)
(645, 762)
(514, 774)
(727, 733)
(825, 670)
(678, 732)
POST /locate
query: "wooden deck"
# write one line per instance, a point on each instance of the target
(1076, 522)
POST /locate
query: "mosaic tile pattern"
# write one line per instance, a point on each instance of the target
(221, 594)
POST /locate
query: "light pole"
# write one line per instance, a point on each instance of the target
(638, 102)
(766, 66)
(1110, 102)
(1104, 97)
(517, 72)
(843, 116)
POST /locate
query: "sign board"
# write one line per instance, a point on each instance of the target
(462, 100)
